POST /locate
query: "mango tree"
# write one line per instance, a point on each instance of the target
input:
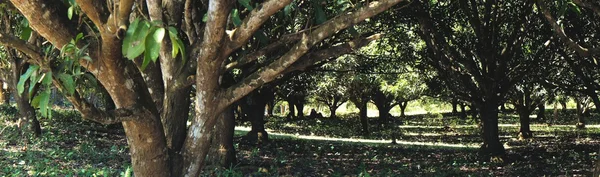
(148, 54)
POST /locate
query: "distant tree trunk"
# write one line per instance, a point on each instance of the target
(563, 103)
(256, 104)
(222, 152)
(300, 107)
(580, 115)
(596, 100)
(291, 105)
(270, 107)
(474, 113)
(403, 107)
(332, 110)
(454, 106)
(364, 120)
(491, 141)
(384, 111)
(524, 112)
(541, 114)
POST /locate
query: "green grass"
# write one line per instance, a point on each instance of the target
(317, 147)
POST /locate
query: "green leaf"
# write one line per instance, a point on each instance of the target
(139, 39)
(47, 78)
(41, 101)
(25, 29)
(205, 17)
(129, 36)
(25, 76)
(320, 16)
(287, 10)
(70, 12)
(146, 61)
(177, 44)
(246, 3)
(68, 82)
(153, 43)
(236, 17)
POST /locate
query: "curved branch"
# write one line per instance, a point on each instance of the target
(96, 11)
(558, 30)
(252, 23)
(265, 50)
(273, 70)
(48, 19)
(33, 52)
(332, 52)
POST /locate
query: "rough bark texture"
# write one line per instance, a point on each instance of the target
(524, 130)
(403, 107)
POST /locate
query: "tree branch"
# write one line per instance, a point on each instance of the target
(48, 19)
(273, 70)
(252, 23)
(33, 52)
(95, 10)
(332, 52)
(265, 50)
(558, 30)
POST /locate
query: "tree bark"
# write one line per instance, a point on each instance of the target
(300, 107)
(580, 115)
(364, 120)
(258, 133)
(541, 114)
(454, 106)
(405, 103)
(524, 130)
(491, 142)
(26, 111)
(463, 111)
(332, 110)
(222, 152)
(270, 107)
(292, 110)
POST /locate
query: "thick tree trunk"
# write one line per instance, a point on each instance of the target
(524, 131)
(491, 142)
(222, 151)
(403, 107)
(563, 103)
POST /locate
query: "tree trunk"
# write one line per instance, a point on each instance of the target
(222, 152)
(596, 100)
(256, 114)
(563, 103)
(580, 115)
(473, 112)
(364, 120)
(454, 106)
(270, 107)
(3, 93)
(300, 107)
(405, 103)
(463, 111)
(332, 110)
(384, 112)
(541, 114)
(524, 131)
(26, 111)
(292, 113)
(502, 107)
(491, 142)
